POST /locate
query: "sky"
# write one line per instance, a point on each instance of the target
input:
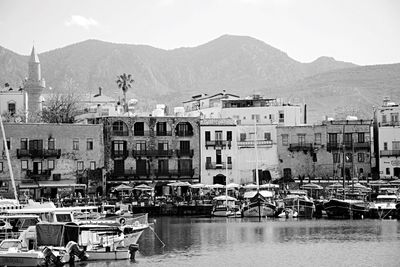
(365, 32)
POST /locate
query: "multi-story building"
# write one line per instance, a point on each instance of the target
(218, 151)
(51, 159)
(387, 146)
(151, 149)
(302, 152)
(350, 142)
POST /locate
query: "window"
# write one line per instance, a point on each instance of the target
(79, 166)
(8, 141)
(1, 166)
(361, 137)
(24, 164)
(396, 145)
(387, 171)
(184, 146)
(163, 145)
(394, 117)
(229, 160)
(332, 138)
(349, 157)
(163, 166)
(218, 135)
(229, 135)
(218, 156)
(242, 137)
(89, 144)
(24, 143)
(317, 138)
(301, 138)
(93, 165)
(336, 158)
(185, 165)
(285, 139)
(140, 145)
(255, 117)
(361, 157)
(51, 144)
(50, 164)
(138, 129)
(161, 128)
(119, 128)
(11, 107)
(208, 136)
(384, 119)
(281, 116)
(348, 138)
(75, 144)
(208, 162)
(385, 147)
(267, 136)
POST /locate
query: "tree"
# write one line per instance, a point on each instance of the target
(60, 108)
(124, 82)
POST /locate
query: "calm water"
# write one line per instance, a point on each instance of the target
(279, 242)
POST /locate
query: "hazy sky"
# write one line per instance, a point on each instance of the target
(359, 31)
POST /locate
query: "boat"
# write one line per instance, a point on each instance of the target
(350, 205)
(384, 207)
(226, 206)
(12, 253)
(288, 213)
(258, 204)
(300, 203)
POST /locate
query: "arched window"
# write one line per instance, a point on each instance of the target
(11, 107)
(119, 128)
(184, 129)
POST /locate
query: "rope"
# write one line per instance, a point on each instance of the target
(151, 228)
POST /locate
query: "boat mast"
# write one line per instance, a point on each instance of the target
(8, 158)
(344, 158)
(226, 175)
(255, 148)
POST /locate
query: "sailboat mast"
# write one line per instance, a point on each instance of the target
(255, 148)
(226, 175)
(8, 158)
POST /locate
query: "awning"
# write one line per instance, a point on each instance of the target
(60, 184)
(28, 186)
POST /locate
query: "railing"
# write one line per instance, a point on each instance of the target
(183, 153)
(120, 133)
(214, 165)
(220, 143)
(128, 173)
(184, 133)
(301, 146)
(141, 133)
(389, 123)
(362, 145)
(153, 153)
(119, 154)
(332, 146)
(174, 173)
(389, 153)
(250, 143)
(38, 153)
(38, 175)
(164, 133)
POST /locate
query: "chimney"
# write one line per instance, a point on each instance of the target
(305, 113)
(100, 91)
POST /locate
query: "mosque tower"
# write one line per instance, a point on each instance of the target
(34, 85)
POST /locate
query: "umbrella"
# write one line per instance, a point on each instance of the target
(143, 187)
(335, 186)
(225, 198)
(312, 186)
(179, 184)
(250, 186)
(198, 185)
(123, 187)
(215, 186)
(395, 182)
(232, 185)
(378, 183)
(269, 186)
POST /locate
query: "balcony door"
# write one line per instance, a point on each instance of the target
(36, 145)
(141, 167)
(119, 167)
(37, 167)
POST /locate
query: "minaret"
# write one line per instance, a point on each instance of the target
(34, 85)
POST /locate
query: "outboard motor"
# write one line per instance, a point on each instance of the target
(74, 250)
(50, 258)
(132, 250)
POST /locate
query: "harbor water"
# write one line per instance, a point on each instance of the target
(271, 242)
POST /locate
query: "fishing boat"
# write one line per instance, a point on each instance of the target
(349, 205)
(258, 204)
(300, 203)
(226, 206)
(384, 207)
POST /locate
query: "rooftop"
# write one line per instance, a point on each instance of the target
(218, 122)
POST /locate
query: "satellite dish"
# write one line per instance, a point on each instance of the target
(18, 119)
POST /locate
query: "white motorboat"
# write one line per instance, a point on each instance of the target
(384, 207)
(12, 253)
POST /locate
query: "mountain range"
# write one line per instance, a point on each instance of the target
(239, 64)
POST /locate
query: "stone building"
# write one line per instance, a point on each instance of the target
(219, 159)
(155, 150)
(51, 159)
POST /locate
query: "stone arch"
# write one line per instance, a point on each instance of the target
(120, 128)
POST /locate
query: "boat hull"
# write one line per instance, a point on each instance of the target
(259, 210)
(119, 254)
(340, 209)
(21, 259)
(383, 212)
(304, 208)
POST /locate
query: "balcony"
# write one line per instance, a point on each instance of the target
(39, 153)
(215, 166)
(174, 173)
(332, 146)
(250, 143)
(163, 133)
(362, 145)
(119, 154)
(218, 143)
(389, 123)
(38, 175)
(185, 153)
(389, 153)
(153, 153)
(120, 133)
(141, 133)
(129, 174)
(184, 133)
(301, 147)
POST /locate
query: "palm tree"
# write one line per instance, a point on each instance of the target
(124, 82)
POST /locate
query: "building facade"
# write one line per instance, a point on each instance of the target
(387, 128)
(218, 151)
(51, 159)
(156, 150)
